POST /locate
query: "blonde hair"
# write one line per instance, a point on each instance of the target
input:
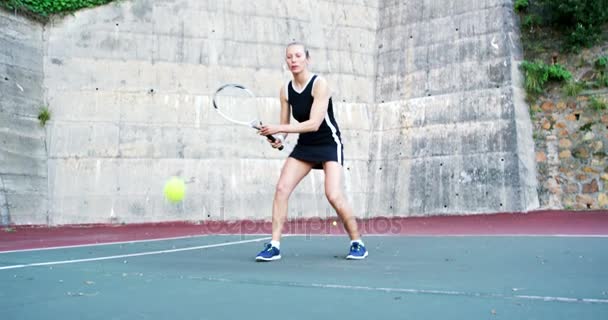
(298, 43)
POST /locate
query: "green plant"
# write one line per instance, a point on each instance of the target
(602, 79)
(601, 62)
(531, 20)
(580, 20)
(44, 115)
(597, 104)
(535, 77)
(559, 73)
(521, 5)
(581, 37)
(538, 73)
(573, 88)
(45, 8)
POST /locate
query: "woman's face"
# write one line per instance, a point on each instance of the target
(296, 58)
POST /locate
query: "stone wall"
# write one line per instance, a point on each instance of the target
(571, 151)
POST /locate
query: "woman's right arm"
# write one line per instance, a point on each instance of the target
(284, 121)
(285, 110)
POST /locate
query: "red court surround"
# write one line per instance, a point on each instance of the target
(532, 223)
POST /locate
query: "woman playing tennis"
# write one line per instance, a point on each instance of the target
(319, 146)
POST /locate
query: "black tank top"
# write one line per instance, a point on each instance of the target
(301, 104)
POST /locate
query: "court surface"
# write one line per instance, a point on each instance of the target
(406, 276)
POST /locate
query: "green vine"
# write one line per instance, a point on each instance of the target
(42, 9)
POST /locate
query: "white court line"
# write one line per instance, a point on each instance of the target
(461, 293)
(102, 244)
(412, 291)
(563, 299)
(38, 264)
(128, 242)
(464, 235)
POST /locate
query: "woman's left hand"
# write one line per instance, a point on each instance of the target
(269, 129)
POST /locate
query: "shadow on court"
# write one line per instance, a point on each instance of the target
(405, 277)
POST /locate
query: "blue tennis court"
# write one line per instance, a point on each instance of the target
(405, 277)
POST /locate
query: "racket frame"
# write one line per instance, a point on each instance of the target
(255, 123)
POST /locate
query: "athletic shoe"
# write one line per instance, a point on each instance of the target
(357, 252)
(269, 253)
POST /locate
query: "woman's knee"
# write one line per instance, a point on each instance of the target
(282, 190)
(334, 197)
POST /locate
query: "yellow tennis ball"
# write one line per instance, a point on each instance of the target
(175, 189)
(334, 223)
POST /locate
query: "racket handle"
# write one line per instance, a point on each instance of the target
(256, 124)
(273, 139)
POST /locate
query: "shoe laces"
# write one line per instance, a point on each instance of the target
(355, 246)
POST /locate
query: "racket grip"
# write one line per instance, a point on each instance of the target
(256, 124)
(273, 139)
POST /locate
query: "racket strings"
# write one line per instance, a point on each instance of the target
(237, 104)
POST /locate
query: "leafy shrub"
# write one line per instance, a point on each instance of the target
(538, 73)
(521, 5)
(580, 20)
(601, 62)
(45, 8)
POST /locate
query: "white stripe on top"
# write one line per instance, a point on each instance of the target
(333, 132)
(287, 91)
(335, 136)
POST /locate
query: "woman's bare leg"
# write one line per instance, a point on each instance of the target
(292, 173)
(333, 191)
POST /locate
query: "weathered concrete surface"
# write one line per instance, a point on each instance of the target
(451, 131)
(130, 86)
(23, 158)
(432, 124)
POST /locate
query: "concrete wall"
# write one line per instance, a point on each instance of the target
(129, 84)
(451, 131)
(425, 92)
(23, 158)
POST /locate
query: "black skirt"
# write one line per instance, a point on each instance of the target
(317, 154)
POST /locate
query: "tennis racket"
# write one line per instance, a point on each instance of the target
(237, 104)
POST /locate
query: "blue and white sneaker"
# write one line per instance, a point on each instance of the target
(357, 251)
(269, 253)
